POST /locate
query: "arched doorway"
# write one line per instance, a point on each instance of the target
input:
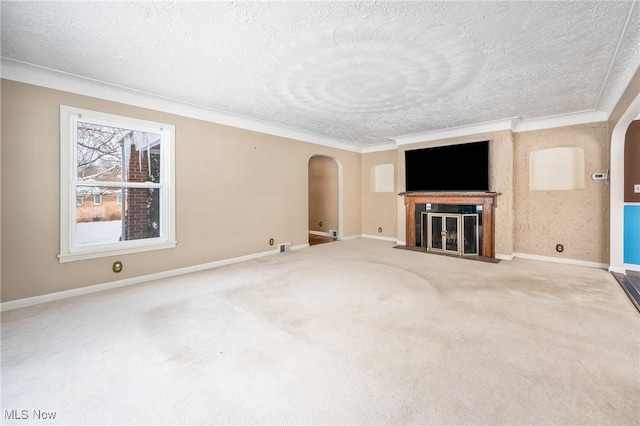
(325, 199)
(616, 219)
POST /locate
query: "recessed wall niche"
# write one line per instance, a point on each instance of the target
(555, 169)
(382, 178)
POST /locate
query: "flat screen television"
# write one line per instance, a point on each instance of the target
(463, 167)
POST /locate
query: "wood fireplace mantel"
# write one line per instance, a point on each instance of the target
(486, 199)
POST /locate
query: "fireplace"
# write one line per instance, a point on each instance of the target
(451, 233)
(451, 223)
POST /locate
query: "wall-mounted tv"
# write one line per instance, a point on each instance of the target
(463, 167)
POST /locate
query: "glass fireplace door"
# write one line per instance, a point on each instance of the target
(470, 244)
(451, 233)
(442, 233)
(452, 224)
(434, 238)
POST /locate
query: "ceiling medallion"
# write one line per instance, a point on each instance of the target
(376, 66)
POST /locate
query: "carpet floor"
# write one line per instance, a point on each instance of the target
(352, 332)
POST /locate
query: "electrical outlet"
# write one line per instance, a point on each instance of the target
(636, 188)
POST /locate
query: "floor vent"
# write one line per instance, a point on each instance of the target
(284, 247)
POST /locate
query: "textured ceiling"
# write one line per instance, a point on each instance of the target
(355, 72)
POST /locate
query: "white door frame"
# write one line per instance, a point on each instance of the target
(616, 174)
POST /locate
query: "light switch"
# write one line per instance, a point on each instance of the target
(636, 188)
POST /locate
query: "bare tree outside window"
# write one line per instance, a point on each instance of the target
(107, 156)
(99, 151)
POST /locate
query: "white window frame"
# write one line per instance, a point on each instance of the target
(99, 198)
(69, 250)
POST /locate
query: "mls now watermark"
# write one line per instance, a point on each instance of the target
(29, 414)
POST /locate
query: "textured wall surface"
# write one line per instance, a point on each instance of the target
(323, 194)
(578, 219)
(235, 190)
(379, 208)
(500, 180)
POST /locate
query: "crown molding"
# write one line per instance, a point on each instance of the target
(24, 72)
(582, 117)
(453, 132)
(379, 148)
(41, 76)
(515, 124)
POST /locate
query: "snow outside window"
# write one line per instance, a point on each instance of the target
(126, 166)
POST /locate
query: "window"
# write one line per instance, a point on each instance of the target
(127, 166)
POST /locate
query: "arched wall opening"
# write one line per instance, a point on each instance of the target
(325, 194)
(616, 227)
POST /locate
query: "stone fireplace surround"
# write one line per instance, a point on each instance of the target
(486, 199)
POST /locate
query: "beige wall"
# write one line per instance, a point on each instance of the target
(578, 219)
(379, 208)
(235, 189)
(257, 188)
(500, 180)
(632, 162)
(323, 194)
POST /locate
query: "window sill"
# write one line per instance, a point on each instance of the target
(94, 253)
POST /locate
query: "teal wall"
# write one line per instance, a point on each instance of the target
(632, 234)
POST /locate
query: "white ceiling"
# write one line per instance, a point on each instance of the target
(358, 73)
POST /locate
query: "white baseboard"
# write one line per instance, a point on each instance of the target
(631, 267)
(560, 260)
(30, 301)
(323, 234)
(378, 237)
(617, 270)
(504, 256)
(349, 237)
(401, 243)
